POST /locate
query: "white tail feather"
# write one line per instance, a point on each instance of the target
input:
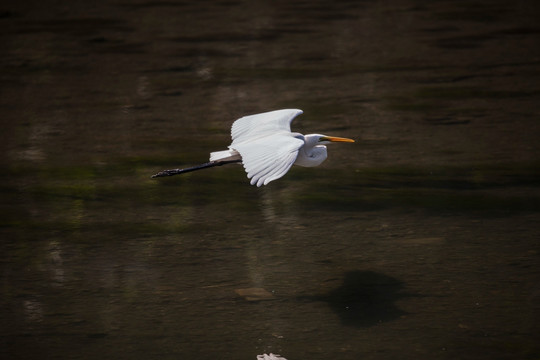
(225, 155)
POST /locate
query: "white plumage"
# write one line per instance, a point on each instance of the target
(267, 148)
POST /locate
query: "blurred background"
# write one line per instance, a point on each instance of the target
(419, 241)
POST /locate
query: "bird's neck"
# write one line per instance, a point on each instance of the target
(311, 154)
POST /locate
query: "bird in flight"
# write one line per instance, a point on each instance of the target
(267, 148)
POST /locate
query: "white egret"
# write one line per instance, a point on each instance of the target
(267, 148)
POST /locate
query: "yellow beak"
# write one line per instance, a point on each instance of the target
(336, 139)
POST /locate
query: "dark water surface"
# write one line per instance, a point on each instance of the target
(419, 241)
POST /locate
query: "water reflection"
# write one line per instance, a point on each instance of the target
(365, 298)
(56, 263)
(33, 310)
(37, 138)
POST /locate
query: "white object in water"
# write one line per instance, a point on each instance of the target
(270, 357)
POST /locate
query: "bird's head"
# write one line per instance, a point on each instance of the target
(314, 150)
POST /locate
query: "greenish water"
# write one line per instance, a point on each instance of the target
(419, 241)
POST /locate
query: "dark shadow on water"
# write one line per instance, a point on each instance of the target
(365, 298)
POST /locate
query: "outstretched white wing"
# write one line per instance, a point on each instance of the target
(268, 158)
(266, 144)
(268, 123)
